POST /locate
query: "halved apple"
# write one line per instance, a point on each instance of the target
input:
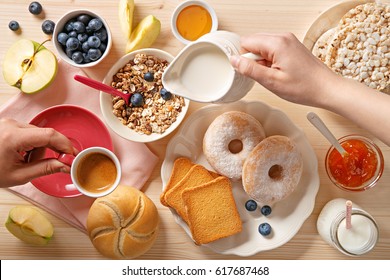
(29, 225)
(29, 66)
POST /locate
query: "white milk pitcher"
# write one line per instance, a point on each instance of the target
(202, 71)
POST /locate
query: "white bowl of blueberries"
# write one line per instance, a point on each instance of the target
(82, 38)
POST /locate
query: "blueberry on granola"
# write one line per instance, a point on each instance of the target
(137, 99)
(149, 76)
(166, 95)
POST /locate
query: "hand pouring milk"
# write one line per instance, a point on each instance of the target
(202, 71)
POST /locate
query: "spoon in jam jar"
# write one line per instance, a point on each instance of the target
(319, 124)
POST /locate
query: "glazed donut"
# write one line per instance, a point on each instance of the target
(272, 170)
(226, 131)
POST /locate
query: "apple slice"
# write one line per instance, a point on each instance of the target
(29, 225)
(126, 14)
(29, 66)
(144, 35)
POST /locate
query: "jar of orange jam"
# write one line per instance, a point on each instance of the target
(360, 169)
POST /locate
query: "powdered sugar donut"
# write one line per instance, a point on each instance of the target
(228, 141)
(272, 170)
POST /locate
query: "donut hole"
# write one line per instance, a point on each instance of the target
(275, 172)
(235, 146)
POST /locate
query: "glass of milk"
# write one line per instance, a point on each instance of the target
(359, 239)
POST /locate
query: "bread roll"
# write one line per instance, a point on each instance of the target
(123, 224)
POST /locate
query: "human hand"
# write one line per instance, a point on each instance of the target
(18, 138)
(288, 69)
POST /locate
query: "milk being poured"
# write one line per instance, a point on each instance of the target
(202, 71)
(202, 74)
(206, 72)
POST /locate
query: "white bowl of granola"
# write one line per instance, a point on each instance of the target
(152, 112)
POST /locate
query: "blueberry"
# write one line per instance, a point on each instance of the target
(78, 57)
(69, 52)
(94, 42)
(85, 47)
(72, 43)
(86, 57)
(79, 27)
(62, 38)
(102, 47)
(95, 24)
(101, 34)
(72, 34)
(69, 26)
(35, 8)
(251, 205)
(149, 76)
(82, 37)
(94, 54)
(266, 210)
(265, 229)
(84, 19)
(48, 27)
(166, 95)
(13, 25)
(137, 99)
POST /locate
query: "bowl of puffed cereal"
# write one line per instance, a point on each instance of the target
(152, 112)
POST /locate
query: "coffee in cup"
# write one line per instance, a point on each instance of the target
(95, 171)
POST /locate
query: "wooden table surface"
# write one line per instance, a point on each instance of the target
(242, 17)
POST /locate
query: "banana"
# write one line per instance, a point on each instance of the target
(126, 13)
(144, 35)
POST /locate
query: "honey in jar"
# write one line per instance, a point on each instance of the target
(193, 22)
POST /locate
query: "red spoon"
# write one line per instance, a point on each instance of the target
(103, 87)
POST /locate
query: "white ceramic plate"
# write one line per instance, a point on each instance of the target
(287, 216)
(106, 101)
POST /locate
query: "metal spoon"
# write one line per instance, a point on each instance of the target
(102, 87)
(319, 124)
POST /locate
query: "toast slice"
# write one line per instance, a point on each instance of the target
(197, 175)
(180, 168)
(211, 211)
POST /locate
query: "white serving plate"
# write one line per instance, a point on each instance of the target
(287, 216)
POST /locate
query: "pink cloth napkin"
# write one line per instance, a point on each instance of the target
(137, 165)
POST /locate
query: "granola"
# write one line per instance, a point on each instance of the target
(158, 109)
